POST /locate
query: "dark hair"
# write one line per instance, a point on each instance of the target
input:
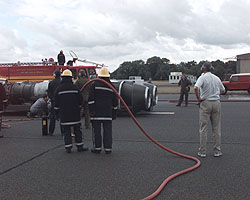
(57, 73)
(82, 73)
(207, 67)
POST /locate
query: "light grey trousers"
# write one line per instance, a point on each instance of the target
(210, 111)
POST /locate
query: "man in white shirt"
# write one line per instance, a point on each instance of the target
(208, 89)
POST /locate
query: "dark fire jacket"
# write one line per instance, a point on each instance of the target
(102, 100)
(68, 101)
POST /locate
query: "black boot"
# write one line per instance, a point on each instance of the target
(68, 150)
(95, 151)
(81, 148)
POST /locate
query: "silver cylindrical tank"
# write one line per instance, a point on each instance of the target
(136, 96)
(153, 94)
(26, 91)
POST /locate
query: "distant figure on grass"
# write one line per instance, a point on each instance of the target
(185, 88)
(208, 89)
(150, 80)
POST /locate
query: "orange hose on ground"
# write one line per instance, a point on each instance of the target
(157, 192)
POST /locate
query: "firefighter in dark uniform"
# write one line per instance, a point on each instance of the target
(68, 101)
(3, 104)
(51, 93)
(185, 88)
(102, 103)
(61, 58)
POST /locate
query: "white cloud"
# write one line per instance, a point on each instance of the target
(112, 32)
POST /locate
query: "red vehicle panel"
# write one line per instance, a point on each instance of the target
(39, 71)
(238, 82)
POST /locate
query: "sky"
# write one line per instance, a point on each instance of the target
(111, 32)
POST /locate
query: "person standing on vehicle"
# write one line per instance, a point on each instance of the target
(3, 104)
(185, 88)
(51, 93)
(102, 103)
(208, 89)
(82, 80)
(61, 58)
(68, 101)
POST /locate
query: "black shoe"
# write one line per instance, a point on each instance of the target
(79, 149)
(178, 104)
(95, 151)
(68, 150)
(1, 136)
(108, 152)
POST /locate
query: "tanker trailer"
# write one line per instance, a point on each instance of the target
(136, 96)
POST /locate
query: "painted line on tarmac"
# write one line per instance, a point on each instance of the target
(159, 113)
(193, 101)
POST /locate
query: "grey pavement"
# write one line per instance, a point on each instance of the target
(36, 167)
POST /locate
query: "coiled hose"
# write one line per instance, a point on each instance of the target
(157, 192)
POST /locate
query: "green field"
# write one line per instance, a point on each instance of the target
(164, 87)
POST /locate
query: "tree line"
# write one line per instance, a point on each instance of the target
(159, 68)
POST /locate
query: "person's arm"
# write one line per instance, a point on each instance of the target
(197, 93)
(91, 100)
(222, 88)
(179, 83)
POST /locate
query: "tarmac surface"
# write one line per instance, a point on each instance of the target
(36, 167)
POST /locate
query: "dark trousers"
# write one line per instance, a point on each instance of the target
(86, 114)
(68, 138)
(52, 120)
(1, 119)
(183, 93)
(107, 134)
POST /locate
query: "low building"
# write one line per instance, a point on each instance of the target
(243, 63)
(175, 77)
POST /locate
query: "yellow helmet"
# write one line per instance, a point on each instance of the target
(104, 72)
(67, 73)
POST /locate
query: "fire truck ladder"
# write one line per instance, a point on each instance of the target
(26, 63)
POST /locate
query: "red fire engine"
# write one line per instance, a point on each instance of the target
(40, 71)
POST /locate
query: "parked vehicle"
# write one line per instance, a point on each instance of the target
(237, 82)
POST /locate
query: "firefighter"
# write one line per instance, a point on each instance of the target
(102, 103)
(61, 58)
(68, 101)
(51, 93)
(3, 104)
(82, 80)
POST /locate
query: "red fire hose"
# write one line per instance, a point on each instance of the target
(153, 195)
